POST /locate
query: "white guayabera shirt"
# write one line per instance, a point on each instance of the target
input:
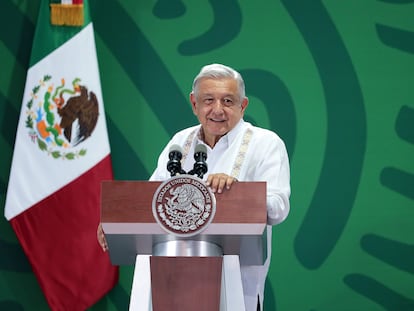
(247, 153)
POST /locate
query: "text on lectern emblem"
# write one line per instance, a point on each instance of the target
(183, 205)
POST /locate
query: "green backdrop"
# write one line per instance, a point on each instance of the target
(334, 78)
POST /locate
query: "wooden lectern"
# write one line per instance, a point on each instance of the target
(200, 272)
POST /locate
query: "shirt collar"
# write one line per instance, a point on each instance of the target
(228, 138)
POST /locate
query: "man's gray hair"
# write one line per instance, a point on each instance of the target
(219, 71)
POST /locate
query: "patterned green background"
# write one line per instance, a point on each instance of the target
(334, 78)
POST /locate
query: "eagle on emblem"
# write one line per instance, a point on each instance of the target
(81, 113)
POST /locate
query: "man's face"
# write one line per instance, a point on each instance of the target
(218, 107)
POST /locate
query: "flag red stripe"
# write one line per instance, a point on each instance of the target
(58, 235)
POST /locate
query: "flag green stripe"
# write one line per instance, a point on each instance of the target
(48, 37)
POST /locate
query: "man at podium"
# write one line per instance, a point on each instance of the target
(235, 151)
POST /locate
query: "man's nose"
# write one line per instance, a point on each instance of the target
(218, 105)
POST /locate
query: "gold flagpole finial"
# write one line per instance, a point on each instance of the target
(66, 13)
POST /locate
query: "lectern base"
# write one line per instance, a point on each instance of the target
(231, 290)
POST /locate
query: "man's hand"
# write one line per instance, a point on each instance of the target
(217, 182)
(101, 238)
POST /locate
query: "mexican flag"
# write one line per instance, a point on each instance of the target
(61, 155)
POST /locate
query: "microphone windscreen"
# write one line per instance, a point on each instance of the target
(176, 148)
(200, 148)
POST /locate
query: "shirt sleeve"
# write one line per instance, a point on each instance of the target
(273, 167)
(161, 173)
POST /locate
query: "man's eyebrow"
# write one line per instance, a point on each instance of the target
(225, 95)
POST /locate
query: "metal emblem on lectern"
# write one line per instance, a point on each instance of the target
(183, 205)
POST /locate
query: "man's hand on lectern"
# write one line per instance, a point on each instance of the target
(220, 181)
(101, 238)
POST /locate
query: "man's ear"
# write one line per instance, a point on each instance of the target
(244, 104)
(193, 102)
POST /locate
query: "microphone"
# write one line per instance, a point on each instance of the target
(200, 157)
(174, 164)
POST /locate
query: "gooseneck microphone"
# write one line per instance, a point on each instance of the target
(200, 157)
(174, 164)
